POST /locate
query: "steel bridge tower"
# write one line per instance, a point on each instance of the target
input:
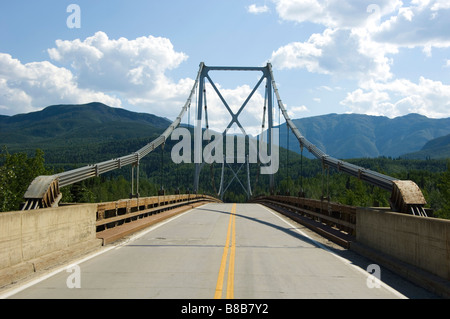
(201, 104)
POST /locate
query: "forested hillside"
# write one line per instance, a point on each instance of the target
(63, 131)
(357, 135)
(158, 171)
(60, 138)
(436, 148)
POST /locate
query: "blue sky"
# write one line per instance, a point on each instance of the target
(329, 56)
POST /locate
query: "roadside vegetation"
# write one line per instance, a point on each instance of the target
(296, 175)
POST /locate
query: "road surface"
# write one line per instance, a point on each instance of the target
(240, 251)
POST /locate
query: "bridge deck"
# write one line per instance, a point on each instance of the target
(222, 251)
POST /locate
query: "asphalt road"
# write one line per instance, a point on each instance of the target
(242, 251)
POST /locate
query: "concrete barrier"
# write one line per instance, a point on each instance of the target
(421, 242)
(32, 241)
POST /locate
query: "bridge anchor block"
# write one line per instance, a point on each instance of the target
(43, 192)
(407, 198)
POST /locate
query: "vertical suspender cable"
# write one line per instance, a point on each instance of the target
(206, 110)
(301, 170)
(287, 156)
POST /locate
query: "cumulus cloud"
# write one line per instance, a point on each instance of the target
(341, 53)
(345, 48)
(360, 41)
(296, 111)
(97, 69)
(393, 24)
(399, 97)
(253, 8)
(301, 11)
(102, 69)
(118, 65)
(29, 87)
(134, 69)
(298, 55)
(250, 117)
(422, 24)
(334, 13)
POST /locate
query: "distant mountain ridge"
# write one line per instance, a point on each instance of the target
(92, 121)
(358, 136)
(339, 135)
(434, 149)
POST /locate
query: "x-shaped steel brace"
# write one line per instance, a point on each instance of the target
(234, 116)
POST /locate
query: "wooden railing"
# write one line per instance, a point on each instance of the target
(339, 219)
(112, 214)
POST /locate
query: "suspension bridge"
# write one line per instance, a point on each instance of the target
(197, 246)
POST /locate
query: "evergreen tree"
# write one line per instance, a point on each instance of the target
(17, 171)
(444, 188)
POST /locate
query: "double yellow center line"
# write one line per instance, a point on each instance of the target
(231, 238)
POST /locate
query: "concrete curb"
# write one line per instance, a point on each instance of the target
(26, 270)
(432, 283)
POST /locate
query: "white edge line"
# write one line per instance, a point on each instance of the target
(345, 261)
(43, 277)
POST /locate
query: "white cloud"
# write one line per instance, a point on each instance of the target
(253, 8)
(360, 43)
(401, 96)
(250, 117)
(298, 55)
(440, 4)
(422, 24)
(97, 69)
(32, 86)
(301, 11)
(333, 13)
(345, 49)
(135, 69)
(340, 53)
(326, 88)
(295, 112)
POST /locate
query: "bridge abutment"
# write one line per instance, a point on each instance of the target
(36, 240)
(413, 246)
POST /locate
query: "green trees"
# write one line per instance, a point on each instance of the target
(444, 189)
(17, 171)
(296, 174)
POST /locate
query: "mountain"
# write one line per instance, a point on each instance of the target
(77, 129)
(94, 132)
(93, 120)
(357, 136)
(436, 148)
